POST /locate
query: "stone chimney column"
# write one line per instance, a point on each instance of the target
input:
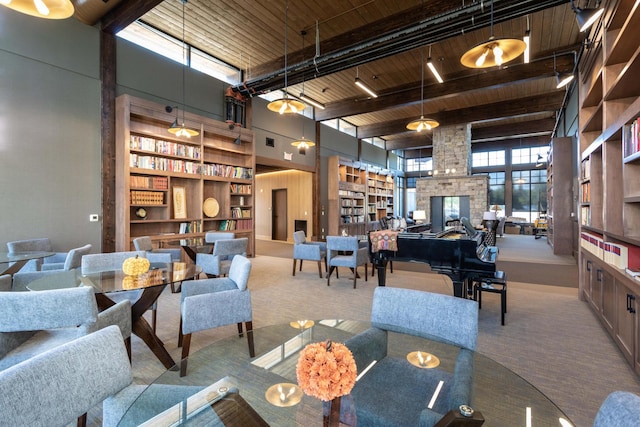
(452, 149)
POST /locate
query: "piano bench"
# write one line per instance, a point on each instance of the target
(496, 284)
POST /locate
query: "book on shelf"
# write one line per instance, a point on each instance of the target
(630, 139)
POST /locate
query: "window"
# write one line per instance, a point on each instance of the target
(163, 44)
(488, 158)
(496, 189)
(398, 196)
(528, 155)
(529, 193)
(419, 164)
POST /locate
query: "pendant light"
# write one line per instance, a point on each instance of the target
(493, 52)
(179, 129)
(586, 17)
(303, 144)
(422, 124)
(285, 105)
(363, 86)
(48, 9)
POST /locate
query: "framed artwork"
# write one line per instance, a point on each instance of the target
(179, 202)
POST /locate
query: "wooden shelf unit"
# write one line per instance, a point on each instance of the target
(610, 175)
(210, 165)
(559, 201)
(359, 195)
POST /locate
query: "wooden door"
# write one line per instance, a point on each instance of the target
(279, 214)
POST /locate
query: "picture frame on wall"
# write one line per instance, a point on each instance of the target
(179, 202)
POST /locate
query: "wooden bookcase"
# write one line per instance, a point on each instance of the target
(155, 169)
(559, 202)
(610, 174)
(359, 195)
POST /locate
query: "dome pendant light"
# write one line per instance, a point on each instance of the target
(48, 9)
(285, 105)
(493, 52)
(422, 124)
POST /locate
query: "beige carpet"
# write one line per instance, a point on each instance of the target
(551, 338)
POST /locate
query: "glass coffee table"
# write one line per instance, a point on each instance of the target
(224, 374)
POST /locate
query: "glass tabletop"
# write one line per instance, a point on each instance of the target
(503, 397)
(22, 256)
(159, 274)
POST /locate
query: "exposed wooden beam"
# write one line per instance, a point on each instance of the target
(125, 13)
(511, 129)
(533, 104)
(454, 85)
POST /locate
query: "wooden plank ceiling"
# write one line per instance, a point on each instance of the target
(384, 42)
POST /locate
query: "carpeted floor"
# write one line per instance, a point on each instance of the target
(551, 338)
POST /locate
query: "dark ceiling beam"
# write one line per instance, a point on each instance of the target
(410, 143)
(530, 141)
(454, 85)
(396, 37)
(125, 13)
(518, 107)
(511, 130)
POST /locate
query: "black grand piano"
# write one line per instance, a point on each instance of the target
(460, 254)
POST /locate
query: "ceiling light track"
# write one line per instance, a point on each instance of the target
(428, 31)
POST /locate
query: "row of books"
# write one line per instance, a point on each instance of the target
(190, 227)
(163, 164)
(235, 224)
(630, 138)
(585, 169)
(585, 215)
(240, 213)
(585, 192)
(150, 182)
(147, 198)
(616, 254)
(227, 171)
(240, 188)
(352, 211)
(164, 147)
(352, 219)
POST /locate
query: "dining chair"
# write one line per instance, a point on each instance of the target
(96, 263)
(219, 261)
(42, 244)
(34, 322)
(393, 392)
(311, 251)
(345, 251)
(211, 303)
(145, 244)
(619, 409)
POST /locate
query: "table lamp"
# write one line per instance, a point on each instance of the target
(489, 216)
(419, 216)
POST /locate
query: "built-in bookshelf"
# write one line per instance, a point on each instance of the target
(359, 195)
(610, 175)
(170, 187)
(559, 190)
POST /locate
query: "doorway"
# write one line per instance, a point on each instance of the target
(448, 208)
(279, 214)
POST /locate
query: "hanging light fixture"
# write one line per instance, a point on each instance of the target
(304, 97)
(586, 17)
(527, 39)
(493, 52)
(433, 68)
(303, 144)
(364, 87)
(540, 161)
(49, 9)
(285, 105)
(179, 129)
(562, 79)
(422, 124)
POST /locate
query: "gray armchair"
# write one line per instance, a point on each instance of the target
(145, 244)
(33, 322)
(438, 317)
(346, 252)
(311, 251)
(36, 245)
(211, 303)
(619, 409)
(219, 261)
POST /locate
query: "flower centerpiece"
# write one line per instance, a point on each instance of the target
(327, 371)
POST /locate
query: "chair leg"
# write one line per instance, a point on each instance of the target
(185, 354)
(127, 345)
(180, 333)
(503, 304)
(294, 266)
(240, 333)
(320, 269)
(82, 420)
(249, 327)
(329, 275)
(355, 275)
(300, 266)
(391, 266)
(154, 316)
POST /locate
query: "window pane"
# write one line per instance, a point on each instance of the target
(496, 158)
(215, 68)
(480, 159)
(154, 40)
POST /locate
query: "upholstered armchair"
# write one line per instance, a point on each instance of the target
(311, 251)
(211, 303)
(393, 392)
(33, 322)
(346, 252)
(619, 409)
(145, 244)
(218, 262)
(36, 245)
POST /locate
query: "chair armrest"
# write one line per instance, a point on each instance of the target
(52, 266)
(229, 306)
(119, 315)
(58, 257)
(368, 346)
(462, 388)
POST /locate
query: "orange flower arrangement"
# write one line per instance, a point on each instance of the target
(326, 370)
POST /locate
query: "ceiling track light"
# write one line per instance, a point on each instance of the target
(285, 105)
(527, 42)
(48, 9)
(433, 69)
(562, 79)
(493, 52)
(364, 87)
(586, 17)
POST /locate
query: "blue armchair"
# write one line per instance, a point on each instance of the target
(619, 409)
(438, 317)
(36, 245)
(311, 251)
(346, 252)
(211, 303)
(145, 244)
(218, 263)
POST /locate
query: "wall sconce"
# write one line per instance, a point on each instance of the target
(586, 17)
(302, 145)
